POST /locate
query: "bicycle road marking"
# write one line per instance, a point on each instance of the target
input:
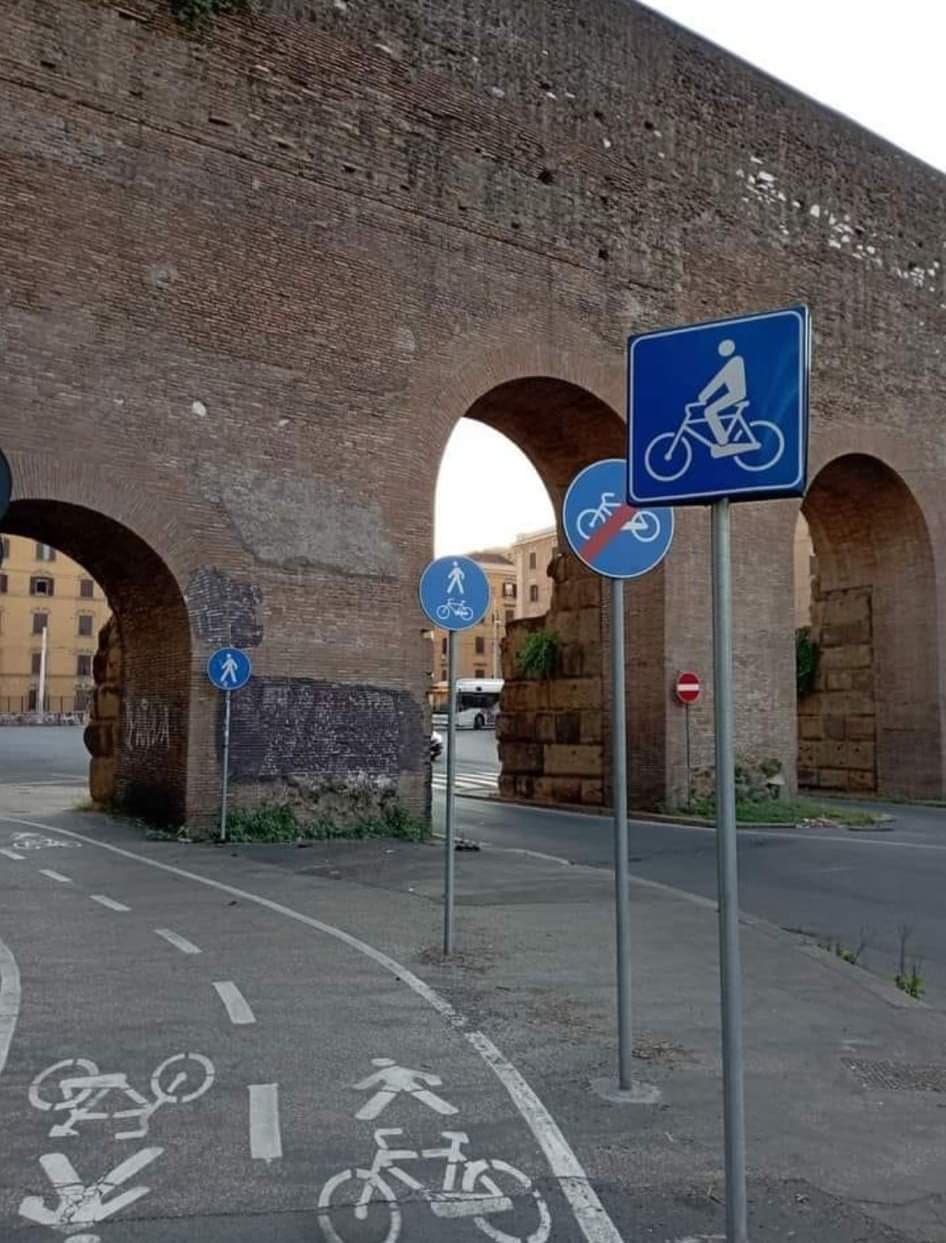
(237, 1006)
(265, 1136)
(586, 1207)
(11, 854)
(109, 902)
(63, 880)
(10, 994)
(179, 942)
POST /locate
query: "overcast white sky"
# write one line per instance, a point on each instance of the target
(878, 62)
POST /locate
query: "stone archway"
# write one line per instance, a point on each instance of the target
(871, 723)
(138, 737)
(554, 736)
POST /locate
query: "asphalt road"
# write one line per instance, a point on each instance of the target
(41, 753)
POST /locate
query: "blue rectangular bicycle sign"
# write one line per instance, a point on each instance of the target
(719, 409)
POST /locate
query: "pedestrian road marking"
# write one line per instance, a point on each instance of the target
(179, 942)
(391, 1080)
(109, 902)
(567, 1170)
(265, 1137)
(63, 880)
(11, 854)
(237, 1006)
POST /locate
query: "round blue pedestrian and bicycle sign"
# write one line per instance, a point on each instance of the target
(229, 669)
(611, 537)
(454, 593)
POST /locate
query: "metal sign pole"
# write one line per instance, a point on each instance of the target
(686, 711)
(226, 765)
(730, 966)
(448, 879)
(621, 865)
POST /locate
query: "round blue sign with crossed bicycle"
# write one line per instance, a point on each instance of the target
(454, 593)
(229, 669)
(611, 537)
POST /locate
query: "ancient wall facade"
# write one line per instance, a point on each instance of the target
(252, 279)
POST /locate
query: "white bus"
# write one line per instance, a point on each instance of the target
(477, 703)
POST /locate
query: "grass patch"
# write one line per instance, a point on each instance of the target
(786, 811)
(279, 822)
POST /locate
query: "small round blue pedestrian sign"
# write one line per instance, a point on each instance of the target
(611, 537)
(229, 669)
(454, 593)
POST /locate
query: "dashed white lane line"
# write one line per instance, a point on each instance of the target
(9, 1000)
(179, 942)
(63, 880)
(237, 1006)
(112, 905)
(589, 1212)
(11, 854)
(265, 1136)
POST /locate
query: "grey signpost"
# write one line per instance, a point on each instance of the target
(454, 593)
(718, 412)
(229, 669)
(618, 542)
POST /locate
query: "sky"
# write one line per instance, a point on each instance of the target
(877, 62)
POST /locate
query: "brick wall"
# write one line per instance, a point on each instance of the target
(252, 281)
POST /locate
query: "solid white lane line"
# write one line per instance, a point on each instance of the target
(237, 1006)
(179, 942)
(9, 1000)
(63, 880)
(109, 902)
(265, 1137)
(589, 1212)
(11, 854)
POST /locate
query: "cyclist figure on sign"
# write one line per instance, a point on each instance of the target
(731, 378)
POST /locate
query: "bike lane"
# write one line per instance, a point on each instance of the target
(314, 1046)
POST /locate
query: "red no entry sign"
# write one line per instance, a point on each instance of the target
(688, 688)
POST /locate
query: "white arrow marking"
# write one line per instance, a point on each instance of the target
(80, 1205)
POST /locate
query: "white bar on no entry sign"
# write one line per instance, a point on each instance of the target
(265, 1137)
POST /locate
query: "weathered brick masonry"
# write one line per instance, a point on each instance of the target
(251, 281)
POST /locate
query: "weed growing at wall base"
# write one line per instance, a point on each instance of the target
(279, 822)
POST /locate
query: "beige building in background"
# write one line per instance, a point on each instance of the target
(41, 589)
(478, 649)
(531, 554)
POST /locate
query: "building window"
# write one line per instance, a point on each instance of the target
(4, 547)
(509, 591)
(443, 678)
(41, 586)
(85, 625)
(510, 615)
(36, 660)
(86, 588)
(443, 649)
(3, 584)
(479, 673)
(45, 553)
(533, 594)
(31, 700)
(82, 699)
(480, 645)
(83, 665)
(40, 622)
(531, 560)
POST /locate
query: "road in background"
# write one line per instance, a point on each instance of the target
(477, 762)
(39, 753)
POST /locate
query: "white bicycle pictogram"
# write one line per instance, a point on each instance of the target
(76, 1088)
(644, 525)
(455, 608)
(753, 444)
(480, 1195)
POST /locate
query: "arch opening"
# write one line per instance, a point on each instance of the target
(137, 727)
(553, 732)
(869, 721)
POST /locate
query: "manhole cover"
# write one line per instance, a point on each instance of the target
(897, 1076)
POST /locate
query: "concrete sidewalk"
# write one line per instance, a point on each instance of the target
(845, 1078)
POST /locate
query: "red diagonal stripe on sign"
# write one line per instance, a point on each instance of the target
(604, 535)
